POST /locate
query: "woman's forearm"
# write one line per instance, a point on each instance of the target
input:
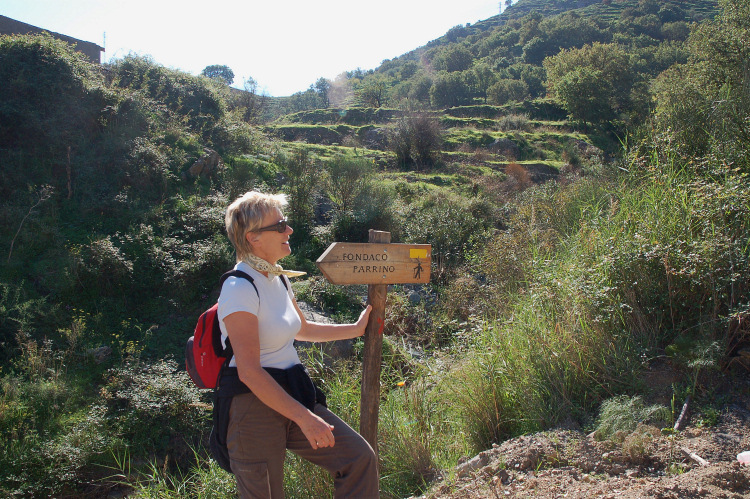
(314, 331)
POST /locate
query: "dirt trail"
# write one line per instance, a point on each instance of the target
(644, 463)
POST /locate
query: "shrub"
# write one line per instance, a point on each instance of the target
(335, 300)
(154, 407)
(347, 179)
(514, 122)
(416, 141)
(451, 224)
(375, 209)
(623, 414)
(47, 93)
(197, 99)
(101, 268)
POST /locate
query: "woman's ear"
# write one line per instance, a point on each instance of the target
(252, 238)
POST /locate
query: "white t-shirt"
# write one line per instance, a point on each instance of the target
(278, 321)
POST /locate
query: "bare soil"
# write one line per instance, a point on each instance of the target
(648, 462)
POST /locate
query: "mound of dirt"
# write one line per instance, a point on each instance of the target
(695, 463)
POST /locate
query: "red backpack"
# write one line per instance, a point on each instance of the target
(204, 354)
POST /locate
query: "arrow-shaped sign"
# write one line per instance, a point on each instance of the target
(372, 263)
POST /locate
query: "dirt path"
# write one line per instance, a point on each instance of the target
(645, 463)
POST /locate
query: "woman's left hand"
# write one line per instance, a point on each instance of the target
(361, 323)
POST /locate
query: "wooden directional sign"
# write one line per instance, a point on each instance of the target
(377, 263)
(372, 263)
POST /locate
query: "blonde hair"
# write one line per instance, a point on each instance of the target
(246, 214)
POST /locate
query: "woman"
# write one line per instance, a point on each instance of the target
(280, 411)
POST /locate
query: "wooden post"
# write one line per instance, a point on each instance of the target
(376, 263)
(373, 353)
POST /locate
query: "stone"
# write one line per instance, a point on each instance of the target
(506, 147)
(100, 354)
(207, 165)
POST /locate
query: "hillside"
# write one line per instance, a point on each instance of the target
(500, 59)
(579, 168)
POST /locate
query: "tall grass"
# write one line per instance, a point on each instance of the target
(608, 273)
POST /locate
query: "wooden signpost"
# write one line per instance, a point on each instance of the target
(378, 264)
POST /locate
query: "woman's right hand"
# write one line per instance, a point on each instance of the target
(318, 432)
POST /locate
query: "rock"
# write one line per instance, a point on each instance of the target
(207, 165)
(472, 464)
(506, 147)
(503, 476)
(99, 354)
(375, 138)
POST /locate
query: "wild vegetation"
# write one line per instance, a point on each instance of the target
(581, 174)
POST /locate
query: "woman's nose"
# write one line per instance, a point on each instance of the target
(289, 227)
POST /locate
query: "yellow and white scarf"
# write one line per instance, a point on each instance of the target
(262, 265)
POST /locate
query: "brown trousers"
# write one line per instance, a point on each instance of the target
(258, 438)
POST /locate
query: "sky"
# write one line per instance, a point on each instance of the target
(284, 45)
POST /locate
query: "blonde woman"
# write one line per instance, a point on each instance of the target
(273, 405)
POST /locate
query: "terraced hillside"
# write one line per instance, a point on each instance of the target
(530, 139)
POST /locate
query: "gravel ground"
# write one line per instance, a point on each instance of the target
(645, 463)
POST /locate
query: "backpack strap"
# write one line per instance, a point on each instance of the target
(218, 348)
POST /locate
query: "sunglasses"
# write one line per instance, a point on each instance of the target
(279, 226)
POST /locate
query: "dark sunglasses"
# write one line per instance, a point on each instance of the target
(279, 226)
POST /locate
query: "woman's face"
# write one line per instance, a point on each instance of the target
(271, 245)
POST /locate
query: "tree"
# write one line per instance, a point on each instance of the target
(373, 92)
(507, 90)
(571, 73)
(348, 177)
(704, 105)
(248, 102)
(219, 72)
(301, 178)
(322, 87)
(453, 58)
(420, 88)
(483, 78)
(584, 93)
(448, 90)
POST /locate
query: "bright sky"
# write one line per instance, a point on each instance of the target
(285, 45)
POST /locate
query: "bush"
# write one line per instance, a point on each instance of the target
(197, 99)
(375, 210)
(47, 93)
(623, 414)
(416, 141)
(101, 268)
(514, 122)
(155, 407)
(451, 224)
(347, 179)
(340, 302)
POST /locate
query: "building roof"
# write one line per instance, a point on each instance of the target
(10, 26)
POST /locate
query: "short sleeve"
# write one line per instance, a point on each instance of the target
(238, 295)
